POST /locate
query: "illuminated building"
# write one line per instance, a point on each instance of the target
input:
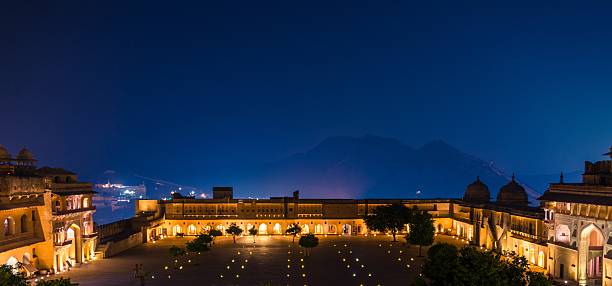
(568, 236)
(46, 214)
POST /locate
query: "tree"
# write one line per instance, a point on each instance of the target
(234, 230)
(176, 251)
(56, 282)
(8, 276)
(308, 241)
(253, 232)
(199, 244)
(389, 218)
(293, 229)
(445, 265)
(422, 229)
(214, 233)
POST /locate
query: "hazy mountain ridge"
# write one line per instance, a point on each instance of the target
(372, 166)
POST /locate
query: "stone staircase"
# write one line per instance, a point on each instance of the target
(101, 250)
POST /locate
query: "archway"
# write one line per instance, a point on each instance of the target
(177, 229)
(562, 233)
(318, 229)
(9, 226)
(277, 229)
(305, 229)
(192, 230)
(23, 223)
(12, 262)
(346, 229)
(590, 254)
(263, 229)
(332, 229)
(541, 259)
(76, 249)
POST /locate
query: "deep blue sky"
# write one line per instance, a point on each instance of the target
(190, 92)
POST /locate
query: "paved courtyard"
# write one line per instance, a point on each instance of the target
(270, 261)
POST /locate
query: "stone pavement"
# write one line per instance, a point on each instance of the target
(270, 261)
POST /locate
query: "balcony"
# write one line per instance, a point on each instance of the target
(65, 212)
(194, 216)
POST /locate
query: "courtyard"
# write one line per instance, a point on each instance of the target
(271, 260)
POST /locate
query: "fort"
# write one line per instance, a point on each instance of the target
(48, 225)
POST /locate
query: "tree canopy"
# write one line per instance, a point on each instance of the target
(388, 218)
(200, 243)
(294, 229)
(422, 229)
(10, 277)
(234, 230)
(308, 241)
(446, 265)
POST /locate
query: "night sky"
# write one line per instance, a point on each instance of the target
(191, 92)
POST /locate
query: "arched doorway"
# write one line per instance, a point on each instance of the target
(590, 254)
(221, 228)
(26, 258)
(263, 229)
(9, 226)
(346, 229)
(541, 259)
(177, 229)
(318, 229)
(305, 229)
(76, 249)
(12, 262)
(277, 229)
(192, 230)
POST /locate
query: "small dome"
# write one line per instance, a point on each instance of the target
(477, 192)
(25, 155)
(512, 194)
(4, 154)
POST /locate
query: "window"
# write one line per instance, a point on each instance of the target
(24, 223)
(85, 202)
(9, 226)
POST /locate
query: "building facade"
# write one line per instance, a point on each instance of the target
(568, 236)
(46, 215)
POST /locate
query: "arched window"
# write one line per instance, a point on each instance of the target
(24, 223)
(85, 202)
(9, 226)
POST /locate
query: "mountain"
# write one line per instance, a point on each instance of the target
(375, 167)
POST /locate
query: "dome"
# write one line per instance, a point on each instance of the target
(25, 155)
(477, 192)
(512, 194)
(4, 154)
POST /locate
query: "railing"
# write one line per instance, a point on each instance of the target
(190, 216)
(63, 212)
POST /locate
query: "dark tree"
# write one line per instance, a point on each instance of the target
(214, 233)
(389, 218)
(253, 232)
(445, 265)
(422, 229)
(56, 282)
(308, 241)
(234, 231)
(199, 244)
(294, 229)
(8, 277)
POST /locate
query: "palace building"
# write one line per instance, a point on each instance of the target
(46, 215)
(568, 236)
